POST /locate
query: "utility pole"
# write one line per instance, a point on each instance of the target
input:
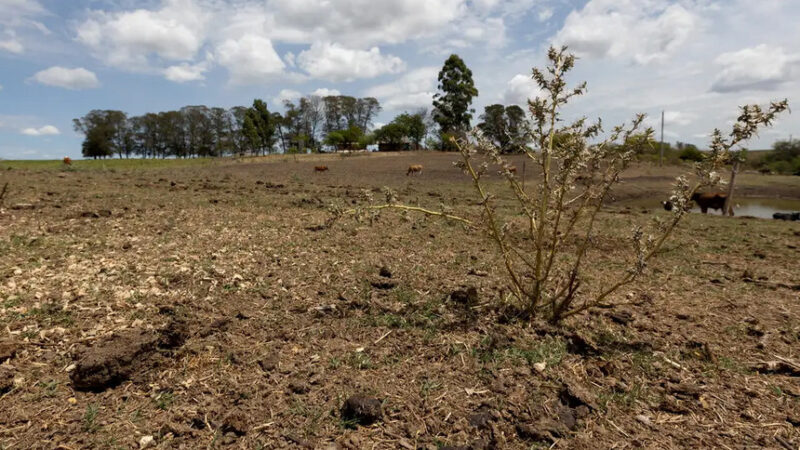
(661, 147)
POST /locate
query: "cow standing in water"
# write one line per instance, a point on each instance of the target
(712, 200)
(414, 169)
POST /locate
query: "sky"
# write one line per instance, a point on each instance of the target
(696, 60)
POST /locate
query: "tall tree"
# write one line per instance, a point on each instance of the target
(263, 123)
(312, 111)
(504, 126)
(366, 110)
(451, 105)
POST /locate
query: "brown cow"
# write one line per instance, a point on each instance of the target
(67, 161)
(713, 200)
(320, 168)
(414, 168)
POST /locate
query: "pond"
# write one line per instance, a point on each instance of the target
(743, 206)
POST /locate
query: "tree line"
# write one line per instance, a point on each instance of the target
(309, 124)
(203, 131)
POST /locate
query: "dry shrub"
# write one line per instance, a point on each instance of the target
(545, 258)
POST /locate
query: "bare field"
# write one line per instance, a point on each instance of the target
(198, 303)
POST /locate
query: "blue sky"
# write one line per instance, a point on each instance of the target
(695, 59)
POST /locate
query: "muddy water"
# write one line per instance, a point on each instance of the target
(755, 207)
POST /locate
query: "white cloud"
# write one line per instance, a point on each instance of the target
(642, 30)
(331, 61)
(544, 14)
(413, 90)
(47, 130)
(17, 16)
(360, 23)
(186, 72)
(325, 92)
(672, 120)
(129, 39)
(286, 94)
(761, 67)
(57, 76)
(520, 89)
(167, 36)
(251, 59)
(11, 45)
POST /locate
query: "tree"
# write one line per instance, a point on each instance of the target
(348, 139)
(260, 128)
(414, 126)
(365, 111)
(222, 129)
(391, 133)
(504, 126)
(312, 113)
(451, 105)
(406, 127)
(107, 132)
(784, 158)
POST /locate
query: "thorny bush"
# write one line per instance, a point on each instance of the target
(545, 256)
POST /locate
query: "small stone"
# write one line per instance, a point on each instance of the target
(644, 419)
(540, 366)
(72, 401)
(146, 442)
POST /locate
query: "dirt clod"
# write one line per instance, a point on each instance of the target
(621, 317)
(113, 362)
(481, 419)
(236, 422)
(536, 432)
(467, 296)
(383, 284)
(580, 344)
(777, 368)
(566, 417)
(362, 410)
(108, 364)
(6, 379)
(575, 395)
(7, 351)
(671, 405)
(299, 387)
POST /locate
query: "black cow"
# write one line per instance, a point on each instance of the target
(786, 216)
(713, 200)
